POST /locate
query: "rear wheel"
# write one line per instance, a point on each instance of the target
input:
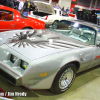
(64, 79)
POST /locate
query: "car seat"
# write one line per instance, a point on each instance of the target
(9, 17)
(76, 32)
(89, 36)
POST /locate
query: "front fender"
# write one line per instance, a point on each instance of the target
(69, 60)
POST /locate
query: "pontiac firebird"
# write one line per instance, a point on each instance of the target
(12, 19)
(50, 58)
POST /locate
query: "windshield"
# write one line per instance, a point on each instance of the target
(76, 31)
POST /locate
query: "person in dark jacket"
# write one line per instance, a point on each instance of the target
(9, 3)
(62, 8)
(2, 2)
(26, 8)
(16, 4)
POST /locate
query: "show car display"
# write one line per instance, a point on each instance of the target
(50, 58)
(46, 13)
(11, 19)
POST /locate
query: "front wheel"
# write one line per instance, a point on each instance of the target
(64, 79)
(56, 21)
(27, 28)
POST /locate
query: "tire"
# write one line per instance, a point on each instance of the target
(56, 21)
(27, 28)
(62, 82)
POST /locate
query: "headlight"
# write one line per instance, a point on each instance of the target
(23, 64)
(13, 58)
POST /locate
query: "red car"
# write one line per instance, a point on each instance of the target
(12, 19)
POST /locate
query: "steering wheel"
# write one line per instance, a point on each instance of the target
(84, 37)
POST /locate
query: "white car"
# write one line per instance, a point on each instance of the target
(48, 14)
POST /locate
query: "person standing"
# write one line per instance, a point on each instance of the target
(2, 2)
(71, 10)
(74, 12)
(62, 8)
(9, 3)
(67, 9)
(16, 4)
(57, 6)
(26, 8)
(21, 4)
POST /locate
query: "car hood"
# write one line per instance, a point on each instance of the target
(44, 7)
(38, 43)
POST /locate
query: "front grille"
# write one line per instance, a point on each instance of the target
(7, 76)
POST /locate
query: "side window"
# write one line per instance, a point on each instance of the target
(90, 35)
(98, 38)
(6, 15)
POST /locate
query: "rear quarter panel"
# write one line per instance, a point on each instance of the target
(27, 22)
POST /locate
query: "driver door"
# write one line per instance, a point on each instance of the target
(96, 54)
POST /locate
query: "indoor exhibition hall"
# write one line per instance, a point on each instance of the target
(49, 49)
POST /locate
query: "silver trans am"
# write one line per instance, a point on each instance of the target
(49, 59)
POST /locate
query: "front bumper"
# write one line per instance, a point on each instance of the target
(11, 76)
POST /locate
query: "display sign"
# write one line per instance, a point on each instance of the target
(3, 95)
(74, 1)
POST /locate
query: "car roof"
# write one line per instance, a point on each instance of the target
(90, 24)
(6, 8)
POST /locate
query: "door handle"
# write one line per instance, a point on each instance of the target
(12, 25)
